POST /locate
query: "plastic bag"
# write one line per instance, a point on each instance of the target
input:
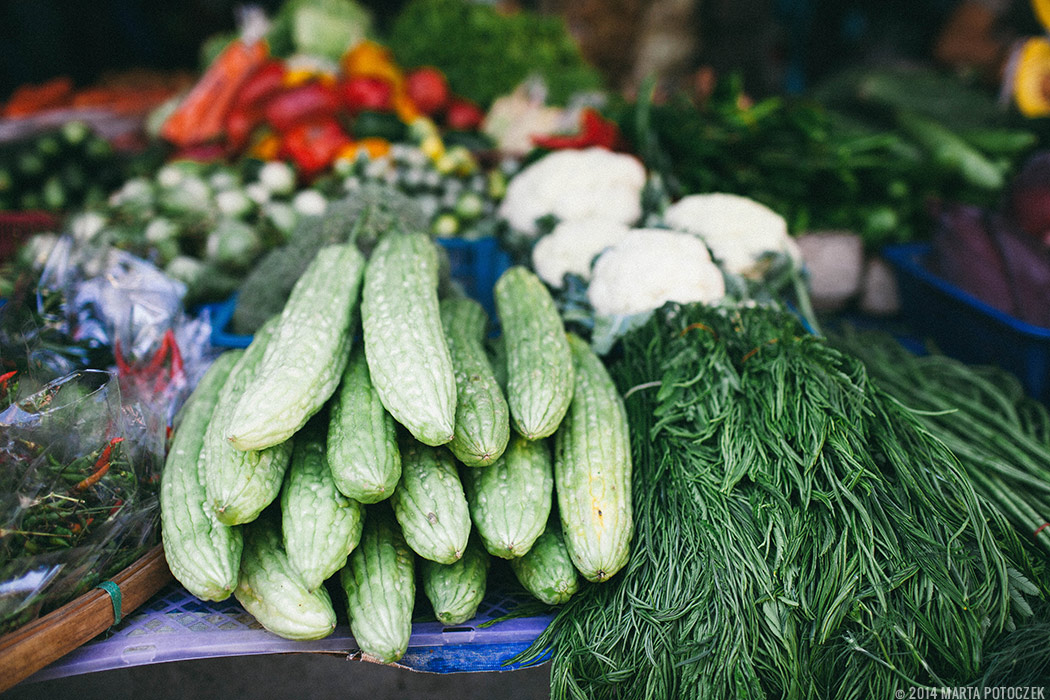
(121, 301)
(79, 479)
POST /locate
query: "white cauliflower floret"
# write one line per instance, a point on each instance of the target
(650, 267)
(739, 231)
(573, 185)
(572, 246)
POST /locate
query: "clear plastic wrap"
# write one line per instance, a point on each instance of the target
(79, 473)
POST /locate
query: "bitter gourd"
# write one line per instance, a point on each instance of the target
(456, 590)
(592, 470)
(510, 500)
(482, 416)
(405, 345)
(429, 503)
(304, 360)
(362, 437)
(320, 525)
(546, 571)
(239, 484)
(203, 554)
(380, 585)
(540, 377)
(272, 591)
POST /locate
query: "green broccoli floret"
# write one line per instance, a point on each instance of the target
(367, 214)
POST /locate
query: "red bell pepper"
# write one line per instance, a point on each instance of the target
(241, 123)
(314, 145)
(367, 93)
(301, 104)
(595, 130)
(264, 83)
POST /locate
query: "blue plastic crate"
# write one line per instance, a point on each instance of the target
(475, 266)
(176, 626)
(964, 327)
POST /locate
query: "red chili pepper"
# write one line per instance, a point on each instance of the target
(6, 377)
(362, 92)
(264, 83)
(313, 146)
(101, 466)
(301, 104)
(463, 115)
(595, 130)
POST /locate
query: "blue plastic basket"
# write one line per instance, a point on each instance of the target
(964, 327)
(175, 626)
(475, 266)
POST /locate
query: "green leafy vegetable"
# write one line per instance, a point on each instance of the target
(798, 533)
(485, 54)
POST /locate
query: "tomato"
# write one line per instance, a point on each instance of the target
(463, 115)
(428, 89)
(365, 93)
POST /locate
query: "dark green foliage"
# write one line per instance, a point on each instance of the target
(485, 53)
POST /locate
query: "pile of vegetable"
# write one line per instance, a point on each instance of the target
(311, 111)
(870, 169)
(362, 456)
(798, 530)
(205, 224)
(60, 169)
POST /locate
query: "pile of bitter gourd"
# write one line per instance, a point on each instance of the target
(368, 437)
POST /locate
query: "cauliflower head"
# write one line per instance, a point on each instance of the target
(575, 184)
(572, 246)
(739, 231)
(650, 267)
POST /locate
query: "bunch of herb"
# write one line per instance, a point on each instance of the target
(1000, 435)
(818, 167)
(798, 532)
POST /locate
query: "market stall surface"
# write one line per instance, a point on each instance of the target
(313, 676)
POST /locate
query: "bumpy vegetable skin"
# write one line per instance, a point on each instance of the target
(203, 554)
(405, 344)
(362, 437)
(240, 484)
(320, 525)
(273, 592)
(482, 415)
(380, 584)
(456, 590)
(592, 470)
(430, 505)
(540, 376)
(546, 571)
(304, 360)
(510, 500)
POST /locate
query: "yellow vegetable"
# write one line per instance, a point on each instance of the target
(1031, 79)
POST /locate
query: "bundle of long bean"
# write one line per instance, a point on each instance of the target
(1000, 435)
(798, 533)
